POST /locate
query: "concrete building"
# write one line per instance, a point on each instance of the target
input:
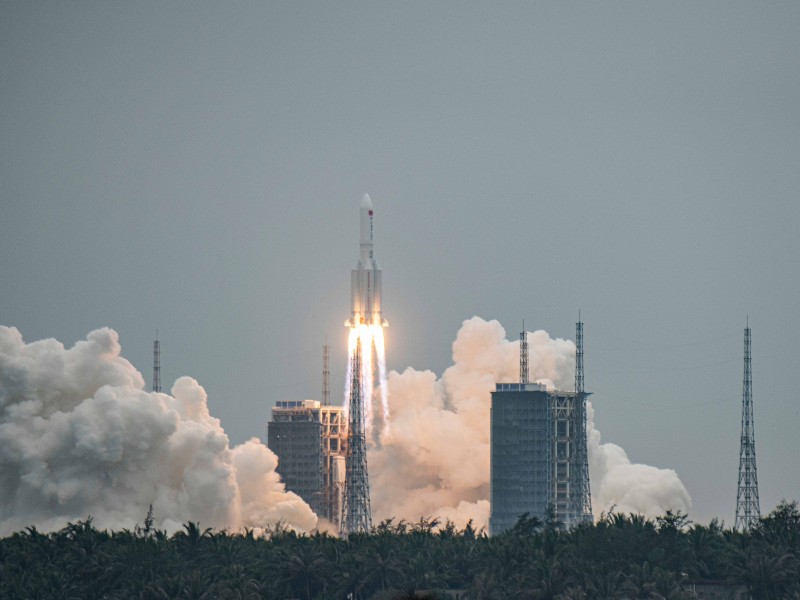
(310, 441)
(521, 464)
(534, 457)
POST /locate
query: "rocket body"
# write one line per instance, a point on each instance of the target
(366, 277)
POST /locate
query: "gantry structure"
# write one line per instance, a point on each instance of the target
(356, 511)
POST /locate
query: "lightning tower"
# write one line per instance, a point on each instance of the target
(580, 492)
(356, 512)
(326, 375)
(747, 506)
(156, 364)
(523, 355)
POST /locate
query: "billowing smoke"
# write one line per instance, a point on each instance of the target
(627, 487)
(435, 459)
(79, 436)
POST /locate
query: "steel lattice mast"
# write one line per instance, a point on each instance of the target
(326, 375)
(747, 506)
(523, 355)
(580, 492)
(356, 512)
(156, 365)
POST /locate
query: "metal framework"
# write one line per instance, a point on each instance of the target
(334, 457)
(156, 365)
(523, 355)
(748, 511)
(356, 512)
(326, 376)
(563, 430)
(581, 492)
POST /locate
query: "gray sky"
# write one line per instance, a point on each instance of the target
(197, 168)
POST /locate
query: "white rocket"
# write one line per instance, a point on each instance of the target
(366, 277)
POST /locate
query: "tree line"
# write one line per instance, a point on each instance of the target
(619, 556)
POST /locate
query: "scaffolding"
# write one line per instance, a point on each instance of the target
(334, 452)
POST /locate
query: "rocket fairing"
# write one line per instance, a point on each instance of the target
(366, 277)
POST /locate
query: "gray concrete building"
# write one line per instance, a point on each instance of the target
(310, 441)
(534, 457)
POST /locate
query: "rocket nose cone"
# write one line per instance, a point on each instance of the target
(366, 202)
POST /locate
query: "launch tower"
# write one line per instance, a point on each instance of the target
(356, 512)
(747, 507)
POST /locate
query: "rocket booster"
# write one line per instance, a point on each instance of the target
(366, 277)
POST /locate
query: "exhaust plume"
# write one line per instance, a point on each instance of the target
(80, 436)
(435, 459)
(375, 396)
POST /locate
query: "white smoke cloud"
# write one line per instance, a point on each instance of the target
(435, 459)
(627, 487)
(79, 436)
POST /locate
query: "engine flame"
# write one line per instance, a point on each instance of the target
(373, 354)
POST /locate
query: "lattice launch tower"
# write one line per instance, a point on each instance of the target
(356, 512)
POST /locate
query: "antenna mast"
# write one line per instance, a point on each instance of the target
(748, 511)
(156, 364)
(523, 354)
(326, 375)
(581, 492)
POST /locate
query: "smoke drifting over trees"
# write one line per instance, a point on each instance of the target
(80, 436)
(435, 460)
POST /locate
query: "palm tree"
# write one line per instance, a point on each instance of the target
(384, 567)
(192, 534)
(303, 567)
(767, 572)
(639, 583)
(605, 585)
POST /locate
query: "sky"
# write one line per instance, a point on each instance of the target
(196, 169)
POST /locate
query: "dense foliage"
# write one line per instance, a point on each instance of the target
(618, 557)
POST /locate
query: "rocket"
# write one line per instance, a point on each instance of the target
(366, 277)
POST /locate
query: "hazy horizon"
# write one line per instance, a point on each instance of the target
(197, 169)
